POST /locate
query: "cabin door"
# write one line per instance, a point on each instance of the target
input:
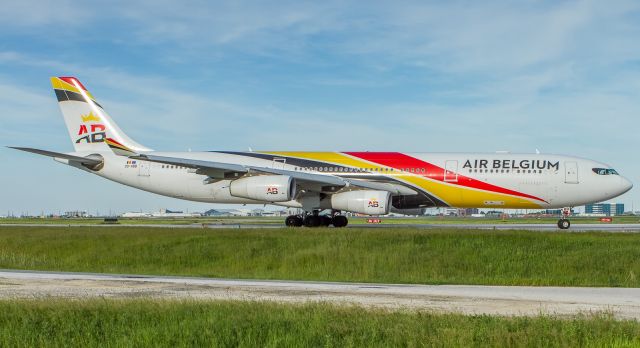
(571, 172)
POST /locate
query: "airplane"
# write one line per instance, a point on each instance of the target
(325, 185)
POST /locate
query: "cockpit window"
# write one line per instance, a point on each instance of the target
(605, 171)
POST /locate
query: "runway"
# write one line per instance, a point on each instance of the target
(619, 228)
(623, 303)
(613, 228)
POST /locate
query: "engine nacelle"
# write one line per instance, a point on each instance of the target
(362, 202)
(270, 188)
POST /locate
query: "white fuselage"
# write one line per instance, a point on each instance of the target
(556, 181)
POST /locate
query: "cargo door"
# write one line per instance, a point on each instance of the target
(571, 172)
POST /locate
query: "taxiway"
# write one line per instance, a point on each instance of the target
(622, 303)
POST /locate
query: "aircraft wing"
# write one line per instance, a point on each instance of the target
(310, 181)
(220, 170)
(217, 170)
(83, 160)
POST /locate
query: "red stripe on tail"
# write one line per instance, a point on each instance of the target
(70, 80)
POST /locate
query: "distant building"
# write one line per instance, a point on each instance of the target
(166, 213)
(494, 213)
(163, 213)
(470, 211)
(604, 209)
(451, 212)
(75, 214)
(213, 212)
(227, 212)
(135, 214)
(554, 212)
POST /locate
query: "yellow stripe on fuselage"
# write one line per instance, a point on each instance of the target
(465, 197)
(450, 193)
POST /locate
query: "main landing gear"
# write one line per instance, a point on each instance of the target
(564, 222)
(316, 220)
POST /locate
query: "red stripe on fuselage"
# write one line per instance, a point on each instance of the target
(401, 161)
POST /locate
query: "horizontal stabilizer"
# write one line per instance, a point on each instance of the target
(79, 159)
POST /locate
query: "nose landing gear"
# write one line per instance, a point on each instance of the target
(564, 222)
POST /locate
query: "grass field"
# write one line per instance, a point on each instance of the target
(399, 255)
(124, 323)
(280, 220)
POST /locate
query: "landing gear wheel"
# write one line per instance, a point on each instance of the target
(312, 221)
(325, 220)
(293, 221)
(564, 224)
(339, 221)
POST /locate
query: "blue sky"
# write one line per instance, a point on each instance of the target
(558, 76)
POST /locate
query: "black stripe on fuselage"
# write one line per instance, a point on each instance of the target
(64, 95)
(422, 199)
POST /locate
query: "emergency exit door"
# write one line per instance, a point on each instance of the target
(571, 172)
(279, 162)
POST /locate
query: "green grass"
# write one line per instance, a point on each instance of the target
(398, 255)
(135, 323)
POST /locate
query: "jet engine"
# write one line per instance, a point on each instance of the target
(270, 188)
(363, 202)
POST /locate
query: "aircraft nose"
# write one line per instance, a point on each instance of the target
(625, 185)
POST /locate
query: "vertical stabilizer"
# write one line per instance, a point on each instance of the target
(88, 123)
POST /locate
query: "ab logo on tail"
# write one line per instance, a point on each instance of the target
(95, 133)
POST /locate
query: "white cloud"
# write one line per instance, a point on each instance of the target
(54, 14)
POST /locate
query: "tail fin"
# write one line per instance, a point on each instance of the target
(88, 124)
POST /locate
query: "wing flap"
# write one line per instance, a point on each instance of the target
(395, 189)
(218, 170)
